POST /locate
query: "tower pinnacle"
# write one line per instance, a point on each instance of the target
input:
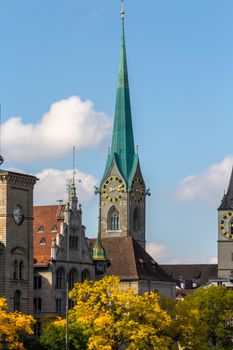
(122, 150)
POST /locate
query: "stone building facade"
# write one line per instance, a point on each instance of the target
(16, 237)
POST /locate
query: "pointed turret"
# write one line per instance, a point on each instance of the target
(122, 150)
(227, 200)
(98, 250)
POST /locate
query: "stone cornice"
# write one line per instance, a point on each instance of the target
(17, 178)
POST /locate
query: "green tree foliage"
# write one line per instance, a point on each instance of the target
(53, 337)
(204, 319)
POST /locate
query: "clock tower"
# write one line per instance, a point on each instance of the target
(122, 189)
(225, 233)
(16, 240)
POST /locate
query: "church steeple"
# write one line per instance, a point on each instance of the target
(122, 150)
(227, 200)
(122, 189)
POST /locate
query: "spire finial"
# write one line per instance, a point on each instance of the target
(122, 11)
(73, 164)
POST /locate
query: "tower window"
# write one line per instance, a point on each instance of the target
(15, 270)
(17, 300)
(113, 219)
(136, 220)
(60, 278)
(21, 270)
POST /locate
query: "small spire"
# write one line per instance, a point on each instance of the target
(98, 250)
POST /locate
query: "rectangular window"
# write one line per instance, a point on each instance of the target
(37, 305)
(58, 305)
(37, 282)
(37, 329)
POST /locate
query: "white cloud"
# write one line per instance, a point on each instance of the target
(158, 252)
(208, 186)
(52, 186)
(69, 122)
(162, 255)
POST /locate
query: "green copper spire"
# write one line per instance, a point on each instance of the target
(122, 149)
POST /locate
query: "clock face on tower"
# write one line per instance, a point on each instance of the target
(138, 190)
(18, 214)
(113, 188)
(226, 225)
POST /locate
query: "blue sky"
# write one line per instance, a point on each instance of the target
(180, 60)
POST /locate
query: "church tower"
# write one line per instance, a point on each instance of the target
(122, 190)
(225, 233)
(16, 240)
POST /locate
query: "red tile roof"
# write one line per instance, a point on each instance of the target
(45, 216)
(130, 261)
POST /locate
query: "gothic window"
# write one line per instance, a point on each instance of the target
(17, 300)
(136, 220)
(76, 243)
(40, 229)
(85, 275)
(60, 278)
(113, 219)
(72, 278)
(21, 270)
(15, 270)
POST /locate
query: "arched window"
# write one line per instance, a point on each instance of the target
(113, 219)
(60, 278)
(17, 300)
(136, 220)
(76, 242)
(85, 275)
(72, 278)
(21, 270)
(15, 270)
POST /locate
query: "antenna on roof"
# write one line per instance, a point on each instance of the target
(1, 157)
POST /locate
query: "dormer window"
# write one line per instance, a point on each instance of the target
(40, 229)
(54, 228)
(42, 241)
(142, 263)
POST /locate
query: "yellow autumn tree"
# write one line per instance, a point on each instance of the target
(114, 317)
(13, 326)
